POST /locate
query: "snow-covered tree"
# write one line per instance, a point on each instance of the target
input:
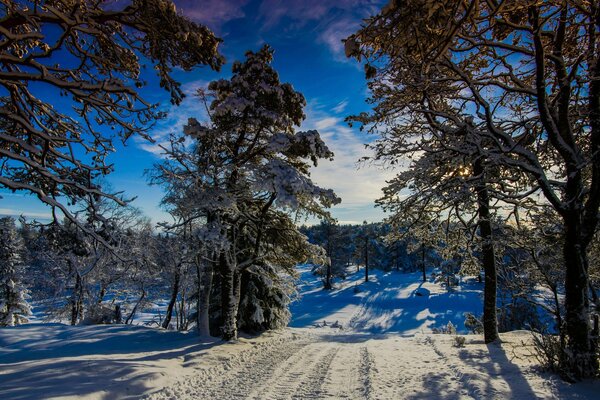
(14, 308)
(239, 171)
(90, 54)
(527, 75)
(328, 235)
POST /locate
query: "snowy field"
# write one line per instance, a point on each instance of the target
(374, 342)
(391, 302)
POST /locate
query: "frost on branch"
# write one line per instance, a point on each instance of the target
(239, 183)
(90, 54)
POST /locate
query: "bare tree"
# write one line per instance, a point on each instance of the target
(527, 74)
(70, 75)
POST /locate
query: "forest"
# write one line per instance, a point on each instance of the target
(486, 115)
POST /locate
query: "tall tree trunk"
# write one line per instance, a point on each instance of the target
(366, 259)
(581, 357)
(328, 285)
(205, 281)
(77, 300)
(490, 320)
(228, 300)
(173, 300)
(423, 263)
(328, 274)
(397, 248)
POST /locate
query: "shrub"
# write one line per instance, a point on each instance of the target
(473, 323)
(459, 341)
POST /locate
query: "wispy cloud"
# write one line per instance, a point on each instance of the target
(358, 185)
(177, 117)
(341, 106)
(336, 19)
(333, 35)
(273, 11)
(213, 13)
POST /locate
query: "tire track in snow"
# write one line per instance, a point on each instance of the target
(348, 375)
(301, 376)
(236, 377)
(366, 366)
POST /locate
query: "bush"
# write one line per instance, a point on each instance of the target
(102, 315)
(449, 329)
(459, 341)
(473, 323)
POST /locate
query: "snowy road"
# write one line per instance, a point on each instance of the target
(302, 365)
(307, 366)
(381, 348)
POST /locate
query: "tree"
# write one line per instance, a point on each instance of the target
(174, 258)
(14, 308)
(85, 268)
(526, 73)
(242, 171)
(449, 177)
(89, 54)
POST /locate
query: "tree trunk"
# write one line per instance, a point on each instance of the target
(102, 294)
(129, 319)
(581, 359)
(490, 320)
(328, 285)
(397, 256)
(423, 263)
(173, 300)
(77, 300)
(228, 300)
(205, 282)
(366, 259)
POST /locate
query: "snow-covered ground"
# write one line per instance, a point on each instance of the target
(380, 348)
(391, 302)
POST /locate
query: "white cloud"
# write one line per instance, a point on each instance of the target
(341, 106)
(358, 187)
(177, 117)
(27, 214)
(332, 36)
(327, 123)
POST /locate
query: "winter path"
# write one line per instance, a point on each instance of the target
(374, 342)
(300, 365)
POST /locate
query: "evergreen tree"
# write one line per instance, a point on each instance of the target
(14, 308)
(244, 174)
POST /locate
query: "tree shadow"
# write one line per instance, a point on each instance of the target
(50, 378)
(68, 341)
(40, 361)
(435, 386)
(495, 364)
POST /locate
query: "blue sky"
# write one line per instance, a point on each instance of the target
(306, 36)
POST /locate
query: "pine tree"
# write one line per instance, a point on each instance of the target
(245, 173)
(14, 308)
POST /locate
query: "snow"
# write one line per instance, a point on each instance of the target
(382, 347)
(40, 361)
(391, 302)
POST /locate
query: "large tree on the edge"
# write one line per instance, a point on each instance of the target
(70, 78)
(528, 74)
